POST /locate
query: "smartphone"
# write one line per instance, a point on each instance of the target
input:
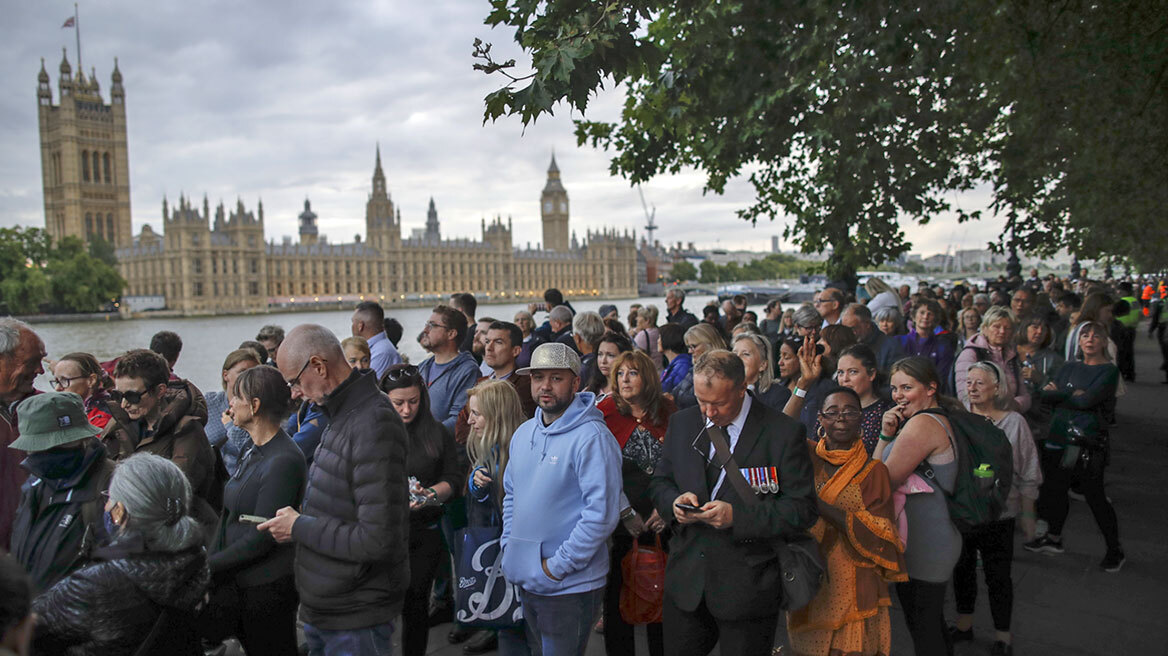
(252, 519)
(687, 507)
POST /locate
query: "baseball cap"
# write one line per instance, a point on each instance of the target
(552, 355)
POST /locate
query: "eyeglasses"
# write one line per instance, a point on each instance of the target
(134, 397)
(296, 381)
(61, 382)
(836, 415)
(395, 375)
(430, 325)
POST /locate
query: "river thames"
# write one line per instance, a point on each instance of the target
(208, 340)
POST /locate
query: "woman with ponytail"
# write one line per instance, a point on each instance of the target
(916, 430)
(141, 594)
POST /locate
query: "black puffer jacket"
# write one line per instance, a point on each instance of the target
(109, 607)
(352, 560)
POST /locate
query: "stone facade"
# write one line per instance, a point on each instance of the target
(205, 264)
(84, 160)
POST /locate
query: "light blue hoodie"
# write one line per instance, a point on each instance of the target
(562, 489)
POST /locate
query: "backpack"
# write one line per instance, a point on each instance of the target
(985, 470)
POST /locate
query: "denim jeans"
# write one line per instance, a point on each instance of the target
(560, 625)
(376, 640)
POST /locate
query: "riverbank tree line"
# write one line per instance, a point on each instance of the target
(40, 276)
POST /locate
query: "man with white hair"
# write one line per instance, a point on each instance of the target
(675, 309)
(587, 329)
(560, 320)
(352, 560)
(21, 353)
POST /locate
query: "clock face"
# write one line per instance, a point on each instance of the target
(547, 207)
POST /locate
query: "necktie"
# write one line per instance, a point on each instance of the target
(721, 456)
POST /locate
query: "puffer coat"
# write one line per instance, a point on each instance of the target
(111, 606)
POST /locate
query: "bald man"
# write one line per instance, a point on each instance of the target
(352, 557)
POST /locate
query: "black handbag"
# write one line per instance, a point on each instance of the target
(801, 566)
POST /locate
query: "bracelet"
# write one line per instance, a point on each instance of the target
(885, 438)
(801, 393)
(627, 513)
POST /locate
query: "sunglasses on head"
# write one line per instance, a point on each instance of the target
(403, 373)
(131, 396)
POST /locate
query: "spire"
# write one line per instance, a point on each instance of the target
(553, 177)
(66, 70)
(378, 176)
(552, 168)
(43, 76)
(432, 231)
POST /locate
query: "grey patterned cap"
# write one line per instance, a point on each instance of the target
(552, 355)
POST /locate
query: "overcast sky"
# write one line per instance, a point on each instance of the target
(287, 100)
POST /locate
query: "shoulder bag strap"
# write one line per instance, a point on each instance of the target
(733, 474)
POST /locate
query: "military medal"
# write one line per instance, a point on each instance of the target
(773, 483)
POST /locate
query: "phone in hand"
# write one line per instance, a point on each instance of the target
(688, 507)
(252, 519)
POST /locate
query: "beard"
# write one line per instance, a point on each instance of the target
(558, 406)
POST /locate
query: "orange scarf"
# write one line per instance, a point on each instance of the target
(850, 463)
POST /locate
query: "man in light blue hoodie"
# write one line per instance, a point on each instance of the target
(561, 503)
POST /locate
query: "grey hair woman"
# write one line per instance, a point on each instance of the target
(156, 561)
(889, 320)
(150, 499)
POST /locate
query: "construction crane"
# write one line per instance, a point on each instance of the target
(650, 226)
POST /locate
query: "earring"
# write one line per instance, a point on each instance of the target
(821, 432)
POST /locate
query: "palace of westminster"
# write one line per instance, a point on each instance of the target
(217, 261)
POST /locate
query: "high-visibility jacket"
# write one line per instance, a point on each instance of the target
(1132, 318)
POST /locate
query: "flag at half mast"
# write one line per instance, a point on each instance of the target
(69, 22)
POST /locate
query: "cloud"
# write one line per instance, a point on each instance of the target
(283, 101)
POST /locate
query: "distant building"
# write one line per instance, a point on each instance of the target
(204, 264)
(775, 244)
(84, 163)
(208, 263)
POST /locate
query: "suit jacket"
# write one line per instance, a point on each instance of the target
(735, 569)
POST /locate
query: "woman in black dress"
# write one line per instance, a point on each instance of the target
(433, 468)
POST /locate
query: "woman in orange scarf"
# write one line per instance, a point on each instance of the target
(857, 537)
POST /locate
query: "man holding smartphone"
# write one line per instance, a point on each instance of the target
(722, 581)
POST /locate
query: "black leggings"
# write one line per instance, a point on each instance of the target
(425, 552)
(923, 603)
(995, 542)
(1053, 504)
(263, 617)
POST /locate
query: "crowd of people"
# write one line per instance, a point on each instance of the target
(325, 484)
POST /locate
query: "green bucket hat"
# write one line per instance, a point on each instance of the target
(50, 420)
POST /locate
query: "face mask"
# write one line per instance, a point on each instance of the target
(56, 464)
(111, 527)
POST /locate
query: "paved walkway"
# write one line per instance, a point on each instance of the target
(1065, 605)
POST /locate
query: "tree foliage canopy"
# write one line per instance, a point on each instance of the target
(848, 116)
(35, 275)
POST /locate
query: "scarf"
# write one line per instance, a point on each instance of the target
(850, 463)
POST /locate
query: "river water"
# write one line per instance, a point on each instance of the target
(208, 340)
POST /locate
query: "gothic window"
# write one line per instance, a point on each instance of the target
(105, 167)
(215, 269)
(253, 288)
(198, 289)
(88, 225)
(197, 267)
(254, 265)
(109, 227)
(85, 165)
(100, 227)
(96, 168)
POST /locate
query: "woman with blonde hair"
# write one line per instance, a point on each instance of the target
(357, 352)
(494, 414)
(755, 352)
(883, 295)
(647, 334)
(698, 340)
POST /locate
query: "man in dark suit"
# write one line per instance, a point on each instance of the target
(722, 582)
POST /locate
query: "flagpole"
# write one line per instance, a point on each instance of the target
(77, 31)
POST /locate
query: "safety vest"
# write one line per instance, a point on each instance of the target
(1132, 318)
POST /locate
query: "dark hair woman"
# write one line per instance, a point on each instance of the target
(1040, 362)
(607, 350)
(856, 370)
(1077, 447)
(637, 414)
(81, 374)
(911, 433)
(857, 535)
(433, 468)
(254, 592)
(678, 360)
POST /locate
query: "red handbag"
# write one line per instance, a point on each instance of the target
(643, 590)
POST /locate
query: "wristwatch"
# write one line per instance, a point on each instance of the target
(627, 513)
